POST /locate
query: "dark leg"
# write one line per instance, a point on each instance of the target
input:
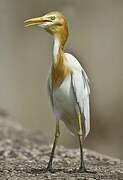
(57, 134)
(82, 164)
(80, 134)
(82, 168)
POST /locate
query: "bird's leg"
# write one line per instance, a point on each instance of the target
(57, 134)
(80, 135)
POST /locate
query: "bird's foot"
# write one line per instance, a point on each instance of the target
(80, 170)
(84, 170)
(50, 169)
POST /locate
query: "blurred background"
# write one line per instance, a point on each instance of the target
(96, 39)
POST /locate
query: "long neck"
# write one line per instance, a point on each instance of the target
(59, 42)
(59, 69)
(57, 48)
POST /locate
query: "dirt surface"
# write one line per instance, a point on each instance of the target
(24, 155)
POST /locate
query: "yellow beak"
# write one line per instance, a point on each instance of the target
(36, 21)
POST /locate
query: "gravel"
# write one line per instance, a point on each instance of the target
(24, 156)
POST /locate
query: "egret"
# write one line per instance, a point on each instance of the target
(68, 84)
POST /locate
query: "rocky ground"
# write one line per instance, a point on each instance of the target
(24, 155)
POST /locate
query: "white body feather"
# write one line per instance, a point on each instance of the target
(72, 97)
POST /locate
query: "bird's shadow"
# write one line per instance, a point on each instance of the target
(44, 170)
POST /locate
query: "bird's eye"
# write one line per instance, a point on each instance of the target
(52, 17)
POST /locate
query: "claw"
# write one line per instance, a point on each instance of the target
(84, 170)
(50, 169)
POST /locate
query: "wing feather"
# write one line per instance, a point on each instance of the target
(80, 84)
(81, 90)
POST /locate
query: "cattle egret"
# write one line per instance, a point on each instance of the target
(68, 84)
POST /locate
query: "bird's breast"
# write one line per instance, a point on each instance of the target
(64, 90)
(63, 97)
(59, 71)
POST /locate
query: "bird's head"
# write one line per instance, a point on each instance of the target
(54, 22)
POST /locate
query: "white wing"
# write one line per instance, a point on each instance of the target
(81, 89)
